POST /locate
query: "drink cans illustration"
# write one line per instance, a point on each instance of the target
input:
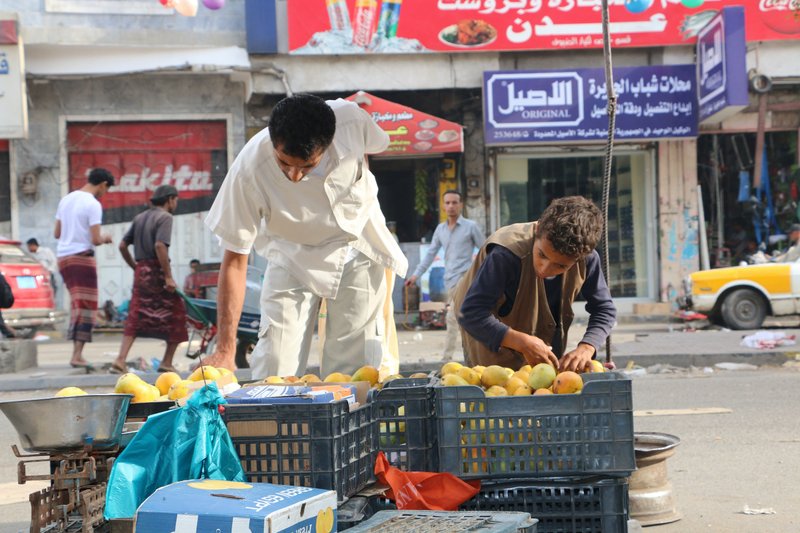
(338, 15)
(390, 17)
(364, 22)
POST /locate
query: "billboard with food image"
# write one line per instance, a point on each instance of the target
(415, 26)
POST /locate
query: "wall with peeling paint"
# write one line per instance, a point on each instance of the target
(678, 237)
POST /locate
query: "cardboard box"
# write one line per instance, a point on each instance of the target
(210, 506)
(264, 394)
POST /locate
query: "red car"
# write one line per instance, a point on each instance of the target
(34, 305)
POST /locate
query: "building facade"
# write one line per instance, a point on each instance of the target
(128, 83)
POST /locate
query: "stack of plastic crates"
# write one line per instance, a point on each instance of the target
(564, 459)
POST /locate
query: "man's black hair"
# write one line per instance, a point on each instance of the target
(100, 175)
(453, 191)
(33, 241)
(302, 125)
(193, 261)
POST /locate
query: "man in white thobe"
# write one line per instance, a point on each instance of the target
(300, 192)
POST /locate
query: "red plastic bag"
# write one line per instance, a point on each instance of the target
(424, 490)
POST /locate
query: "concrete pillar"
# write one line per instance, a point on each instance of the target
(16, 355)
(678, 238)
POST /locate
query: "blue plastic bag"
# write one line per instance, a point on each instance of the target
(187, 443)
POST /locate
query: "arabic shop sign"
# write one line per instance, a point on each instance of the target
(572, 105)
(411, 132)
(13, 95)
(414, 26)
(721, 66)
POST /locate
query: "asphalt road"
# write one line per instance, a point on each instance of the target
(749, 456)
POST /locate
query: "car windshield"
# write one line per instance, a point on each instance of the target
(14, 255)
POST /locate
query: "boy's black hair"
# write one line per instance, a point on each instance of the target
(573, 225)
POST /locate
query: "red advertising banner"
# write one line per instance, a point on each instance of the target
(411, 132)
(191, 156)
(413, 26)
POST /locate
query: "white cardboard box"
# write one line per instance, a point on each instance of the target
(210, 506)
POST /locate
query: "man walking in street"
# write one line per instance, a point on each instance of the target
(77, 229)
(458, 236)
(302, 185)
(156, 310)
(47, 258)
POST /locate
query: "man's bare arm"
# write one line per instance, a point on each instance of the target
(126, 254)
(230, 298)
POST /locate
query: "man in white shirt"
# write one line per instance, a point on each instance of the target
(47, 258)
(301, 193)
(78, 220)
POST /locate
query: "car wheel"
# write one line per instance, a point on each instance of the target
(743, 309)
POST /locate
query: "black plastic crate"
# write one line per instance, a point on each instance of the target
(354, 511)
(591, 505)
(584, 434)
(447, 521)
(404, 411)
(323, 445)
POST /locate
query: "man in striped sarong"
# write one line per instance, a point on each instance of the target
(156, 309)
(77, 229)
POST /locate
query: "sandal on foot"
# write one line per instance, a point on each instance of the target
(163, 368)
(88, 367)
(116, 369)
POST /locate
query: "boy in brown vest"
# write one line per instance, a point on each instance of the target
(515, 302)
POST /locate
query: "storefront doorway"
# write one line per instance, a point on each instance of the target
(742, 218)
(527, 183)
(407, 192)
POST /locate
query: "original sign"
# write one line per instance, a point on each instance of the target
(654, 102)
(721, 66)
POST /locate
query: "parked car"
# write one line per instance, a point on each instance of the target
(34, 305)
(742, 297)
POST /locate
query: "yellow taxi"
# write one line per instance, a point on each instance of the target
(741, 297)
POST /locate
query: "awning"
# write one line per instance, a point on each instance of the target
(62, 60)
(411, 132)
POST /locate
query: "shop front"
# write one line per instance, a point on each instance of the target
(748, 148)
(420, 164)
(13, 109)
(545, 131)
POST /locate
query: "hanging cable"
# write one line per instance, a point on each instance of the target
(612, 112)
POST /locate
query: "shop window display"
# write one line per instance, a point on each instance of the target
(742, 219)
(528, 184)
